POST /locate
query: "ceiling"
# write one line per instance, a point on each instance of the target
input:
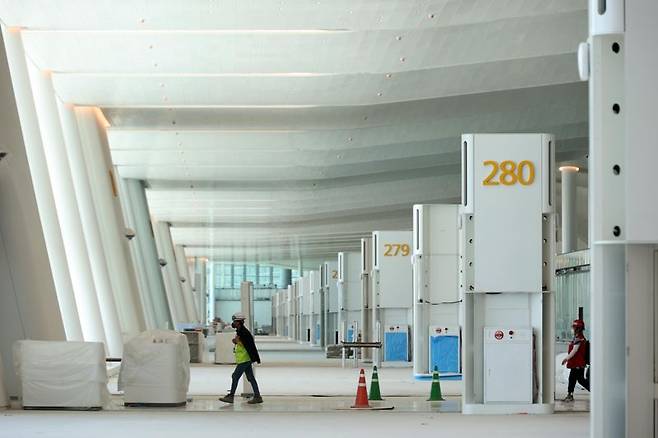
(284, 131)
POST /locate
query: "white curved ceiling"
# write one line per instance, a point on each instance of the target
(278, 131)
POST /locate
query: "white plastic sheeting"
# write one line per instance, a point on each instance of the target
(4, 401)
(155, 368)
(224, 348)
(561, 371)
(62, 374)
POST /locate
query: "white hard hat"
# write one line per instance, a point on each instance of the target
(239, 316)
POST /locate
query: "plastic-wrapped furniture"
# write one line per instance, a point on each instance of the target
(61, 374)
(155, 370)
(4, 400)
(224, 348)
(197, 345)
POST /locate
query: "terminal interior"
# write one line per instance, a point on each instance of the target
(403, 187)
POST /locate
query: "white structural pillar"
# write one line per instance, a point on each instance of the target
(138, 259)
(41, 182)
(29, 307)
(186, 283)
(569, 216)
(146, 253)
(623, 215)
(96, 151)
(211, 290)
(68, 213)
(201, 287)
(170, 272)
(90, 230)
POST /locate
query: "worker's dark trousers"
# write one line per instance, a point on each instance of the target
(577, 375)
(244, 368)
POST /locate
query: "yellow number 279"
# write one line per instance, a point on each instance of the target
(508, 173)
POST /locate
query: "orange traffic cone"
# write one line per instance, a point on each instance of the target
(361, 393)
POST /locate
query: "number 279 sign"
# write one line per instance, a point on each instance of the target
(509, 173)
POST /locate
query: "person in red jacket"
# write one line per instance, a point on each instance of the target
(577, 359)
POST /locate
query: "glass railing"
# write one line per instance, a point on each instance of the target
(572, 291)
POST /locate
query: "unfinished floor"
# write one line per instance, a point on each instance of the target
(297, 379)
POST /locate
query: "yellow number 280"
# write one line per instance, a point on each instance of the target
(508, 173)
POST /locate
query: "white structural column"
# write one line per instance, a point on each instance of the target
(624, 214)
(41, 182)
(186, 283)
(170, 272)
(569, 217)
(154, 293)
(67, 212)
(29, 306)
(201, 287)
(108, 212)
(211, 291)
(90, 229)
(137, 257)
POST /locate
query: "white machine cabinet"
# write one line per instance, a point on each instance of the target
(349, 293)
(507, 365)
(437, 297)
(508, 275)
(316, 308)
(330, 287)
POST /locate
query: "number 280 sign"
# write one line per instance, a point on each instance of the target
(509, 173)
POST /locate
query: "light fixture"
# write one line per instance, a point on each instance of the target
(569, 169)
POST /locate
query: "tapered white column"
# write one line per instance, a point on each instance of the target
(137, 257)
(90, 229)
(211, 291)
(67, 211)
(569, 217)
(186, 283)
(201, 286)
(29, 307)
(108, 213)
(170, 272)
(146, 253)
(41, 182)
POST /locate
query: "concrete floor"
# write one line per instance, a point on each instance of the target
(19, 424)
(298, 379)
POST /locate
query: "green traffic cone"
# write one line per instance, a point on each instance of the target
(435, 392)
(374, 386)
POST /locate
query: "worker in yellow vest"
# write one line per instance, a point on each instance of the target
(246, 353)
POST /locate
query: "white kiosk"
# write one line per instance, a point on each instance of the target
(392, 292)
(507, 284)
(329, 277)
(315, 325)
(437, 300)
(306, 307)
(296, 304)
(289, 328)
(349, 294)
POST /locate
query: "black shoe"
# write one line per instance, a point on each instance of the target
(227, 399)
(568, 398)
(255, 400)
